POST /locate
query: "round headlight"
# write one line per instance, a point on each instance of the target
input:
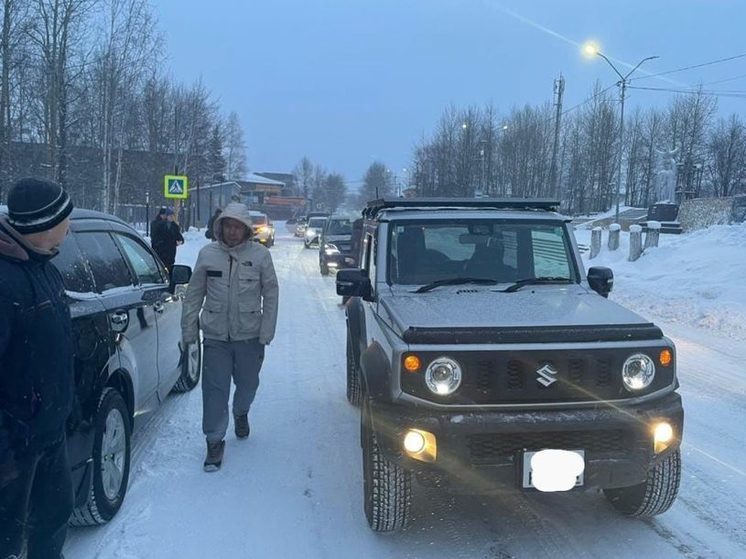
(443, 376)
(638, 372)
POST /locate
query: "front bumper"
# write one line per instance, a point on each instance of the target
(485, 448)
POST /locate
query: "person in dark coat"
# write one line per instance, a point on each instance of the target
(36, 373)
(210, 233)
(165, 236)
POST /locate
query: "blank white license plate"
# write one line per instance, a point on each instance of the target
(559, 466)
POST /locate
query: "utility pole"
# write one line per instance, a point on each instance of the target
(559, 91)
(622, 91)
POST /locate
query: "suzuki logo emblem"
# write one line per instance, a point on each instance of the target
(547, 375)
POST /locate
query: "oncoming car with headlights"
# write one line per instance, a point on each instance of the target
(482, 355)
(264, 230)
(335, 245)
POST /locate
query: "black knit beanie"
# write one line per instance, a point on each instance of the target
(36, 205)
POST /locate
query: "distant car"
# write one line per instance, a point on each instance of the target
(264, 230)
(313, 230)
(335, 246)
(300, 227)
(126, 313)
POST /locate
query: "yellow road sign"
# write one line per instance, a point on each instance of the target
(176, 186)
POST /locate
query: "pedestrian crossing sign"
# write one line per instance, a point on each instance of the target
(176, 186)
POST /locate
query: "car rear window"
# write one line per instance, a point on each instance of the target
(70, 262)
(107, 264)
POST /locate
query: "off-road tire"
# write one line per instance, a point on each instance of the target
(387, 487)
(654, 496)
(354, 392)
(189, 379)
(99, 509)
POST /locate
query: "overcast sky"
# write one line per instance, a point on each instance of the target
(347, 82)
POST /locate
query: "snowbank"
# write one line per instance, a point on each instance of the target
(695, 279)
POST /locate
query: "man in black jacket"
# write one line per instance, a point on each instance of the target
(36, 373)
(165, 236)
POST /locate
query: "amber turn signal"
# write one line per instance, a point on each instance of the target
(412, 363)
(666, 357)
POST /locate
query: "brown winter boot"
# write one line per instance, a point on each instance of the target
(214, 458)
(241, 425)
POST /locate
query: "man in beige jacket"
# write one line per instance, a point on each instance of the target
(234, 286)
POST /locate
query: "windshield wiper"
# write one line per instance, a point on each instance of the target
(455, 281)
(536, 281)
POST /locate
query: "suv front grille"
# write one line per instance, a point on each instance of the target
(515, 377)
(488, 449)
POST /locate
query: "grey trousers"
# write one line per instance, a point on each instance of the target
(223, 361)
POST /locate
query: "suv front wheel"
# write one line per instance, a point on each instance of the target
(654, 496)
(387, 487)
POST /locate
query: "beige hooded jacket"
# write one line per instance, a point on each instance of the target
(235, 289)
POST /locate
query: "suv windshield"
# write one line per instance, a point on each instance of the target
(503, 252)
(317, 222)
(339, 227)
(258, 220)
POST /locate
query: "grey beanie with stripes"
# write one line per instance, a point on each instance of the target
(36, 205)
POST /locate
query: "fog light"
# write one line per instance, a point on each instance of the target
(414, 442)
(662, 436)
(420, 445)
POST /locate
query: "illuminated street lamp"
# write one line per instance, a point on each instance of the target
(591, 49)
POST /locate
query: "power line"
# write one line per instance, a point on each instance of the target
(726, 80)
(692, 67)
(732, 93)
(591, 98)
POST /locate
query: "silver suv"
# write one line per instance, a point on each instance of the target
(481, 354)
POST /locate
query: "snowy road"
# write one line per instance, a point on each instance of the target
(294, 489)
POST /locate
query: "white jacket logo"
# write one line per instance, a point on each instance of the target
(547, 375)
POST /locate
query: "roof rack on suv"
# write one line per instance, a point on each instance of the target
(375, 206)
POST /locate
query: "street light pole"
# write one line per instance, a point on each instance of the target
(622, 93)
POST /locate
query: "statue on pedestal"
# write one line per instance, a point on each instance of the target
(665, 183)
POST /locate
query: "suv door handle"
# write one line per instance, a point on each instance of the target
(159, 307)
(119, 321)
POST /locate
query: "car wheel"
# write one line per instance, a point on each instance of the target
(306, 244)
(111, 461)
(655, 495)
(323, 268)
(353, 376)
(387, 487)
(191, 368)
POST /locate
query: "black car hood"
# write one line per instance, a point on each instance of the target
(539, 314)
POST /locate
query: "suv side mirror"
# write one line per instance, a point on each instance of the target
(354, 283)
(180, 275)
(601, 280)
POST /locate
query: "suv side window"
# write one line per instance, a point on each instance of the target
(145, 266)
(71, 264)
(106, 262)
